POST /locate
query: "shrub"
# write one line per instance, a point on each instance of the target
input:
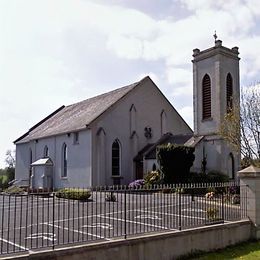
(216, 176)
(153, 177)
(210, 195)
(175, 162)
(136, 184)
(3, 182)
(110, 197)
(233, 190)
(168, 190)
(14, 190)
(235, 199)
(212, 213)
(74, 194)
(211, 177)
(180, 190)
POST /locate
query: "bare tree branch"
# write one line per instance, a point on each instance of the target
(241, 125)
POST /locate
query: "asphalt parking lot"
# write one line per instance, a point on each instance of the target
(35, 222)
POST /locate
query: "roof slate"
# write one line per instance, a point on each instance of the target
(150, 152)
(76, 116)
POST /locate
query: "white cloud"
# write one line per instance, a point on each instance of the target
(54, 52)
(187, 113)
(126, 47)
(179, 76)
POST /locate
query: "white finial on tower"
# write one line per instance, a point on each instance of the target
(215, 36)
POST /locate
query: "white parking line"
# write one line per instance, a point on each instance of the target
(76, 231)
(13, 244)
(135, 222)
(172, 214)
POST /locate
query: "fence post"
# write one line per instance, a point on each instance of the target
(125, 212)
(222, 206)
(250, 177)
(180, 192)
(53, 219)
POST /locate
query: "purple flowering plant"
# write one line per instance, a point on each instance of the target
(136, 184)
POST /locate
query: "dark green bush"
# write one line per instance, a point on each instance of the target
(74, 194)
(211, 177)
(216, 176)
(175, 162)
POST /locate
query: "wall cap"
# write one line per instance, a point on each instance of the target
(250, 171)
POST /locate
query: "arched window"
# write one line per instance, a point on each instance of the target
(46, 151)
(206, 97)
(132, 119)
(64, 161)
(116, 158)
(30, 156)
(231, 166)
(30, 162)
(229, 90)
(163, 123)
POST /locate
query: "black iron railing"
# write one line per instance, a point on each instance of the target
(37, 220)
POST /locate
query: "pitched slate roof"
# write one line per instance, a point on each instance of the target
(149, 151)
(43, 161)
(76, 116)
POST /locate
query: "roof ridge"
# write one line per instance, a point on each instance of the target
(111, 91)
(104, 101)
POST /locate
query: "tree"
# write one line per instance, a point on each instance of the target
(7, 174)
(10, 159)
(241, 126)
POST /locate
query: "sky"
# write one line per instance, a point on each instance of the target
(58, 52)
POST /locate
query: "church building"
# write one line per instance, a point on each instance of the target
(112, 138)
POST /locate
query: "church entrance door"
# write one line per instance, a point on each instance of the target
(139, 170)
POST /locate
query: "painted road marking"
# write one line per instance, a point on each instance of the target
(99, 225)
(76, 231)
(148, 216)
(135, 222)
(13, 244)
(44, 236)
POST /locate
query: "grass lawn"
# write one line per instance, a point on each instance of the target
(248, 251)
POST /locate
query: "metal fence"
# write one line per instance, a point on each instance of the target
(47, 219)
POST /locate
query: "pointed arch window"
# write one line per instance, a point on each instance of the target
(206, 97)
(163, 122)
(116, 154)
(132, 119)
(46, 151)
(229, 92)
(64, 161)
(30, 155)
(231, 166)
(30, 162)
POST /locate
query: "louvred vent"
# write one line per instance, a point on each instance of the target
(229, 84)
(206, 97)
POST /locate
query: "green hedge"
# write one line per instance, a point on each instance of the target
(175, 162)
(74, 194)
(211, 177)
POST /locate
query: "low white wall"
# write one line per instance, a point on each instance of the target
(167, 245)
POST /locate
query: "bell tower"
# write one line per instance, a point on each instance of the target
(215, 89)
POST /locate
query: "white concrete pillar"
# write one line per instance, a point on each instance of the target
(250, 177)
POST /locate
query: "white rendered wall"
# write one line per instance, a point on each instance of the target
(79, 158)
(217, 66)
(149, 104)
(217, 62)
(22, 162)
